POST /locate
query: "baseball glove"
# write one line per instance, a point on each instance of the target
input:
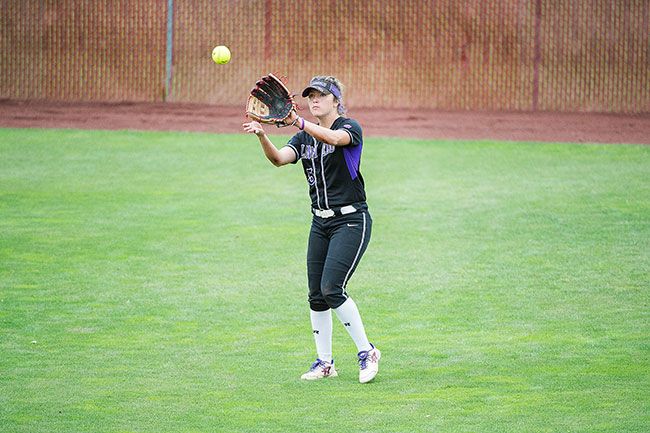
(270, 101)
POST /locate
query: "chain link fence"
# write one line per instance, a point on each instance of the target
(528, 55)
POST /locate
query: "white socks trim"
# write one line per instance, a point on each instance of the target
(321, 325)
(348, 314)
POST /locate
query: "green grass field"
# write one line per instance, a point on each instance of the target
(155, 282)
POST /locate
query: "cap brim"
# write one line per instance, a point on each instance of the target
(323, 90)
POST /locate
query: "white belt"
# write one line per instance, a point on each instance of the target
(328, 213)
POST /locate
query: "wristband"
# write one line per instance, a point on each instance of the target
(302, 124)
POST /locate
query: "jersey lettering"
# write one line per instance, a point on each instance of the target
(332, 172)
(327, 149)
(309, 151)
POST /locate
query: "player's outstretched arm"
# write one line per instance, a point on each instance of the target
(325, 135)
(278, 157)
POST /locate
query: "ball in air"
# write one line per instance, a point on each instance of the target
(221, 54)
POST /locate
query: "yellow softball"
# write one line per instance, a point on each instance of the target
(221, 54)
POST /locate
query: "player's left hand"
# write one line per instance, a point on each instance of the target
(270, 101)
(291, 118)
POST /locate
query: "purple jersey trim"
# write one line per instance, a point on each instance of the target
(352, 156)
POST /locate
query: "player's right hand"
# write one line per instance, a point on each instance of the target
(253, 127)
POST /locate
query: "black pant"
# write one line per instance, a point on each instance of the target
(335, 248)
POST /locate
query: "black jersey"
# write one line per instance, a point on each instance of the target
(332, 172)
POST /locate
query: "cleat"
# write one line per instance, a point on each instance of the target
(368, 364)
(320, 370)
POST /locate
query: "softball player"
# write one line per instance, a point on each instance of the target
(330, 151)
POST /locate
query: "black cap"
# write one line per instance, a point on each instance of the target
(322, 86)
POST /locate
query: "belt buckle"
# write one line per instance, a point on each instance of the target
(326, 213)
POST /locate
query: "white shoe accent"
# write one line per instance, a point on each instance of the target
(320, 370)
(369, 364)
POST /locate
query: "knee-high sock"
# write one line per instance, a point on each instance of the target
(348, 314)
(321, 324)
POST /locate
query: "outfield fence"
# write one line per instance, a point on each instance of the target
(539, 55)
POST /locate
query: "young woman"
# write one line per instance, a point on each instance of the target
(330, 151)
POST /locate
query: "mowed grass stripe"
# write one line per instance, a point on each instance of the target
(156, 282)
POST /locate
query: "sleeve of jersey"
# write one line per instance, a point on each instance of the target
(294, 144)
(353, 129)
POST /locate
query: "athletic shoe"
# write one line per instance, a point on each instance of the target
(368, 364)
(320, 370)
